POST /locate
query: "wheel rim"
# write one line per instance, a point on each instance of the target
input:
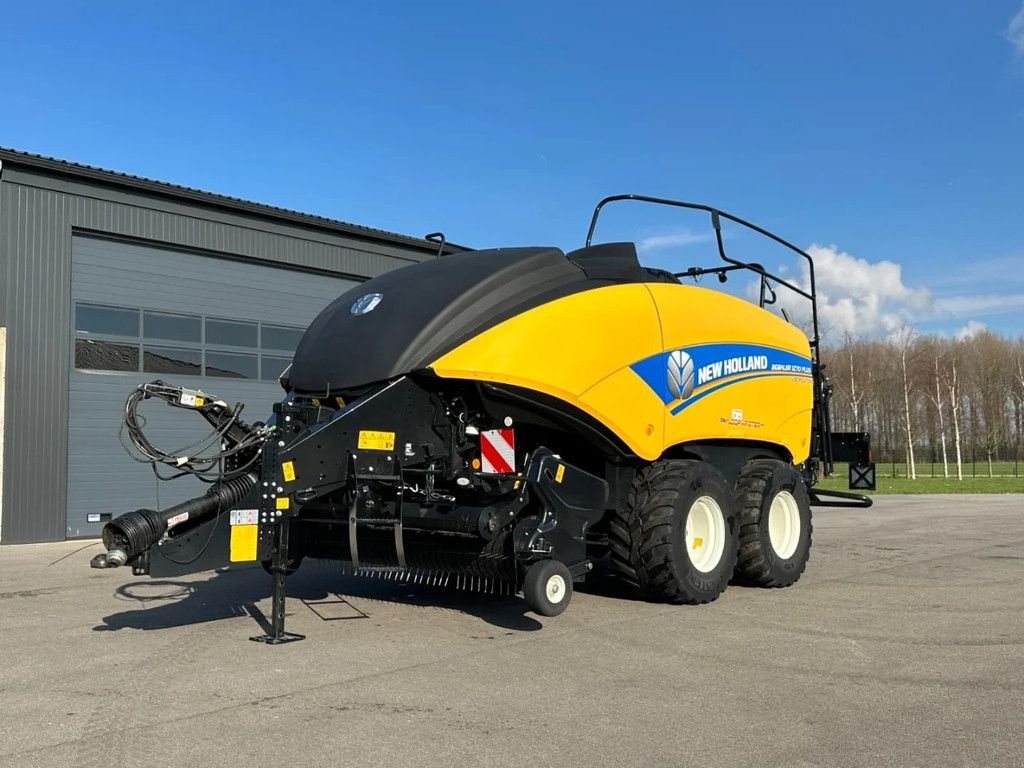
(784, 524)
(705, 534)
(554, 589)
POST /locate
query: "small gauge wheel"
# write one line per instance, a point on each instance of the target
(547, 587)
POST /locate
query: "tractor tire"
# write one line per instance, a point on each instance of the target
(682, 532)
(775, 524)
(547, 587)
(620, 546)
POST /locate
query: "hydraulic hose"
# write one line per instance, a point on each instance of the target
(133, 533)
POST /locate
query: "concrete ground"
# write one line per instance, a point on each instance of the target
(902, 645)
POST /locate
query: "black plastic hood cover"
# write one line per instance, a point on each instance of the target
(404, 320)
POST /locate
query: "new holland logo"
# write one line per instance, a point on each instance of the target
(366, 303)
(682, 377)
(680, 374)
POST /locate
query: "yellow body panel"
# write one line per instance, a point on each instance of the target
(773, 409)
(567, 346)
(739, 372)
(694, 315)
(630, 409)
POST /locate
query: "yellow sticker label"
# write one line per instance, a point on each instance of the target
(199, 402)
(371, 440)
(288, 470)
(697, 542)
(340, 402)
(560, 473)
(283, 502)
(243, 543)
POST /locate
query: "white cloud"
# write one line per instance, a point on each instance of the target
(1015, 32)
(857, 296)
(870, 299)
(672, 240)
(972, 329)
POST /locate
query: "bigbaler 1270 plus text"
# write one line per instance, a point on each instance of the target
(509, 417)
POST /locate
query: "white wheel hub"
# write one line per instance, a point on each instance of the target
(555, 589)
(705, 534)
(784, 524)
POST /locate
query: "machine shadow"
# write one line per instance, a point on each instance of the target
(601, 583)
(233, 593)
(501, 611)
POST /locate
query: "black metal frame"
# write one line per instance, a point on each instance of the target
(716, 216)
(439, 238)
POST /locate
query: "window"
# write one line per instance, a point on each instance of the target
(122, 339)
(273, 367)
(280, 337)
(231, 365)
(98, 355)
(176, 360)
(112, 321)
(231, 333)
(162, 325)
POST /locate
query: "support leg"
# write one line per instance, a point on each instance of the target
(277, 635)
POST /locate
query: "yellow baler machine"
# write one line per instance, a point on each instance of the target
(743, 374)
(512, 418)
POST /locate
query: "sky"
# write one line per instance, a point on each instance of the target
(885, 137)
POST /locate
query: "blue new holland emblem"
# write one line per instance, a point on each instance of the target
(366, 303)
(680, 374)
(681, 377)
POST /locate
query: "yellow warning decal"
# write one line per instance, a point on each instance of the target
(199, 402)
(243, 543)
(340, 402)
(560, 473)
(697, 542)
(371, 440)
(288, 471)
(283, 502)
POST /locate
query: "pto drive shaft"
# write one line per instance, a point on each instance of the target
(133, 533)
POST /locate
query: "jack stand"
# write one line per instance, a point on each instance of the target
(277, 635)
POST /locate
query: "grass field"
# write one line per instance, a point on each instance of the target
(927, 469)
(924, 484)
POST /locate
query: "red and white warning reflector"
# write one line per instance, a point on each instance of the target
(498, 451)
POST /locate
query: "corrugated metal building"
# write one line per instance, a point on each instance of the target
(108, 280)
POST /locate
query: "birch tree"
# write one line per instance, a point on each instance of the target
(954, 408)
(914, 393)
(904, 340)
(991, 360)
(939, 400)
(856, 396)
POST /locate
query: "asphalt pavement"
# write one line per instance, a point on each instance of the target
(902, 645)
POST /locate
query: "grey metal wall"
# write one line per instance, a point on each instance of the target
(39, 212)
(101, 477)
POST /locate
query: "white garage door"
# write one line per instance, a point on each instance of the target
(141, 313)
